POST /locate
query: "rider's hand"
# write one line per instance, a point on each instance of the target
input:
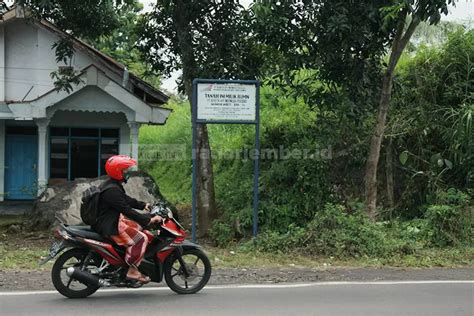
(156, 219)
(147, 207)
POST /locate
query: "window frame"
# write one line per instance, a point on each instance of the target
(69, 138)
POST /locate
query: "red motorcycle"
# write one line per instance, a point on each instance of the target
(93, 261)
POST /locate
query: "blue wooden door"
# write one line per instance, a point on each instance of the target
(21, 158)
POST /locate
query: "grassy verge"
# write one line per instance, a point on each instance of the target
(16, 256)
(423, 259)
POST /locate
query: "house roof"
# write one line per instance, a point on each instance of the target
(91, 76)
(143, 89)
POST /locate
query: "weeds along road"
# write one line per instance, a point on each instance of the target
(327, 298)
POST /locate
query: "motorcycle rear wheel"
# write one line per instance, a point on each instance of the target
(199, 266)
(72, 258)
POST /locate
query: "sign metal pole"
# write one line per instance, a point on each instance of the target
(256, 163)
(194, 156)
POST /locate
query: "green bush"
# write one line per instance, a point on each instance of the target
(221, 233)
(337, 233)
(334, 232)
(291, 241)
(450, 220)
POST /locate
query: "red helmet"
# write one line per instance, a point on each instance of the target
(115, 166)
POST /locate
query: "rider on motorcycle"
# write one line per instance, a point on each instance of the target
(118, 218)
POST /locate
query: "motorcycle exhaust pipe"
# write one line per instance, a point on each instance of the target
(86, 277)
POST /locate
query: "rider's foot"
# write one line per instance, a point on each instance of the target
(134, 274)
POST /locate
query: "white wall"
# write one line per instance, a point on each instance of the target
(91, 98)
(2, 158)
(2, 64)
(29, 60)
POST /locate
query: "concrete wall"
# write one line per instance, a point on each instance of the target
(91, 99)
(2, 158)
(29, 60)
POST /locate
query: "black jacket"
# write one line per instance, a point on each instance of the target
(114, 201)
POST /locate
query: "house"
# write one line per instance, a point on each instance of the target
(48, 136)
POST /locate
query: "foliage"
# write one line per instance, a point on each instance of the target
(87, 19)
(216, 34)
(306, 34)
(431, 123)
(334, 232)
(450, 219)
(173, 175)
(221, 233)
(121, 43)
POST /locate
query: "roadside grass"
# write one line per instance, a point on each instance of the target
(233, 257)
(22, 258)
(21, 254)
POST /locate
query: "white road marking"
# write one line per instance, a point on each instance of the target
(260, 286)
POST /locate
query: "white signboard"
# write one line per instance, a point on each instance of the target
(226, 102)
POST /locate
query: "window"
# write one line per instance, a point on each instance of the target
(81, 152)
(59, 158)
(108, 147)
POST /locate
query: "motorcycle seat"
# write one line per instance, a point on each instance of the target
(87, 232)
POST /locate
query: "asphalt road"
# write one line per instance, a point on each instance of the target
(336, 298)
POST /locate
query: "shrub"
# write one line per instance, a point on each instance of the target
(272, 241)
(221, 233)
(334, 232)
(450, 219)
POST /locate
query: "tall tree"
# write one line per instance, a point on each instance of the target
(204, 39)
(407, 15)
(346, 42)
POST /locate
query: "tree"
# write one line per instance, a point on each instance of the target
(121, 42)
(407, 14)
(206, 39)
(346, 43)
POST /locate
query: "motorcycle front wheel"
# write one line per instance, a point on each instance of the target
(198, 267)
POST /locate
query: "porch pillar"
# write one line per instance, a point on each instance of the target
(42, 153)
(134, 127)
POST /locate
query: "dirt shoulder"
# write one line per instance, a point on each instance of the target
(21, 280)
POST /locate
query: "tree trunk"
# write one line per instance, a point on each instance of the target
(389, 174)
(206, 204)
(375, 143)
(399, 43)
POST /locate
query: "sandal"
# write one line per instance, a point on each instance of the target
(142, 279)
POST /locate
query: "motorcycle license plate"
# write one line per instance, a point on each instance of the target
(55, 248)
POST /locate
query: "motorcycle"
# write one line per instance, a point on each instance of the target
(92, 261)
